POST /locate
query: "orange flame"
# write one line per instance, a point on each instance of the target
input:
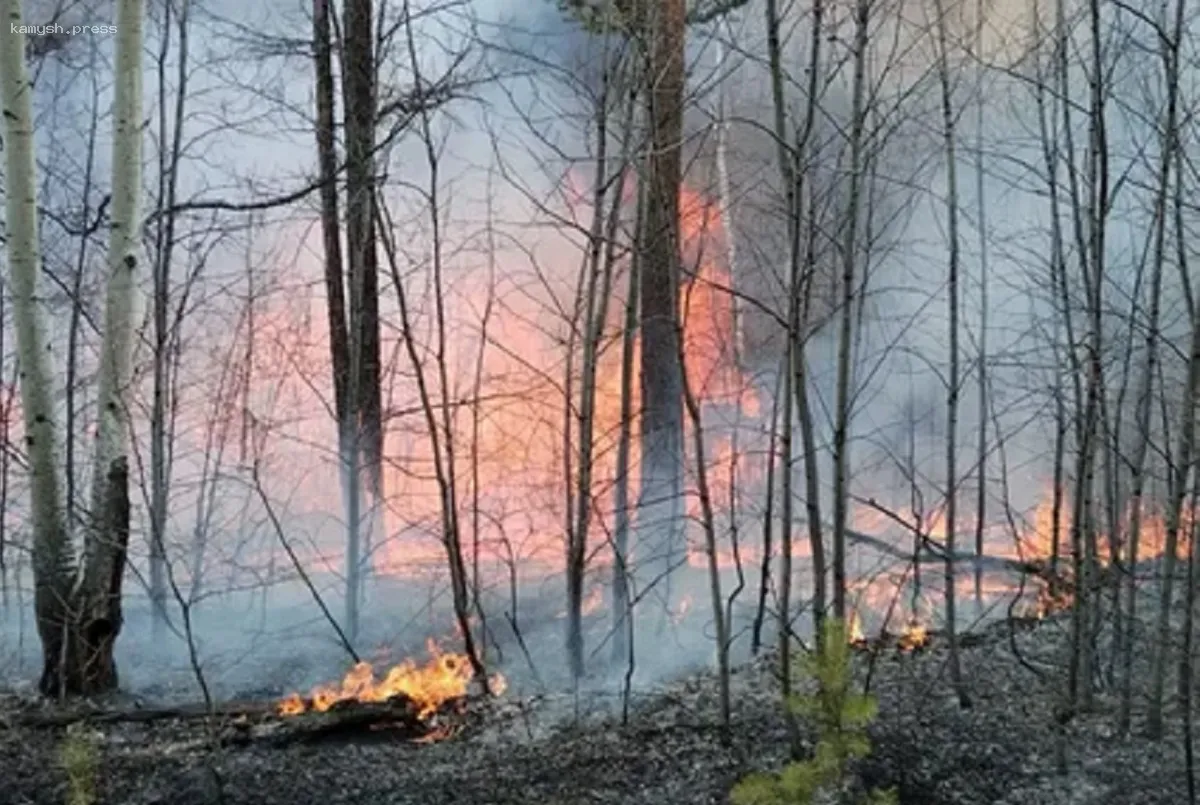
(444, 678)
(854, 633)
(915, 636)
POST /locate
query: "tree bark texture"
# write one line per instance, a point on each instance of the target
(662, 395)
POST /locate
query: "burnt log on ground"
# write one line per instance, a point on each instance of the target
(397, 718)
(1059, 585)
(58, 718)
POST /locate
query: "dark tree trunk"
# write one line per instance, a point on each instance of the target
(327, 161)
(364, 448)
(661, 387)
(358, 88)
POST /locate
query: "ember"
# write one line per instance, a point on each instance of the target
(444, 678)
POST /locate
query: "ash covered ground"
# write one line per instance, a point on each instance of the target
(563, 749)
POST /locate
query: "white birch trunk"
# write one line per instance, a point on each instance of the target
(53, 558)
(123, 263)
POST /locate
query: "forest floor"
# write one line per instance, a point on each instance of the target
(556, 750)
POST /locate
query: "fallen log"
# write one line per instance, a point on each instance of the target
(397, 718)
(60, 718)
(933, 552)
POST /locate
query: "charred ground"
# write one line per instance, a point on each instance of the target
(563, 750)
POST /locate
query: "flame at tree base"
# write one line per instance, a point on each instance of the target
(446, 677)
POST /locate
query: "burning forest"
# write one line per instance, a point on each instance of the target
(588, 402)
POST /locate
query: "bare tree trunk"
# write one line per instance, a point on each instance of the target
(786, 171)
(358, 91)
(1089, 244)
(737, 347)
(75, 326)
(1047, 127)
(216, 439)
(335, 298)
(1179, 473)
(1186, 655)
(764, 580)
(982, 378)
(799, 363)
(168, 167)
(1137, 464)
(438, 416)
(710, 544)
(5, 448)
(599, 265)
(443, 456)
(793, 171)
(87, 658)
(948, 139)
(578, 511)
(476, 422)
(849, 256)
(621, 610)
(659, 520)
(1098, 202)
(52, 554)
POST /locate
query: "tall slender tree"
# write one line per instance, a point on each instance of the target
(78, 606)
(354, 322)
(949, 143)
(850, 252)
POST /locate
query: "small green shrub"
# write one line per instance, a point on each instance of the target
(841, 718)
(79, 758)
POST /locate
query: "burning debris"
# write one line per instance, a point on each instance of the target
(442, 682)
(855, 633)
(915, 636)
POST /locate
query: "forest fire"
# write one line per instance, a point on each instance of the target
(517, 449)
(914, 636)
(444, 679)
